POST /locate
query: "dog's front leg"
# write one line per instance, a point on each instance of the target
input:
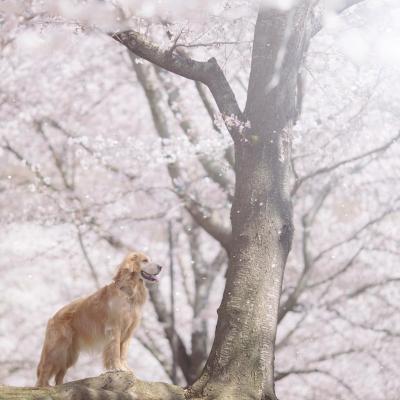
(112, 351)
(125, 341)
(124, 353)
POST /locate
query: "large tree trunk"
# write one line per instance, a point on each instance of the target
(241, 363)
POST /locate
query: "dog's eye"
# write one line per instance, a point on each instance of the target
(145, 261)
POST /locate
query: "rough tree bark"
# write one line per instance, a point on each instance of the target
(241, 363)
(119, 385)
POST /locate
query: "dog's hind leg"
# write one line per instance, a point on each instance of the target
(66, 355)
(44, 370)
(60, 376)
(55, 354)
(44, 374)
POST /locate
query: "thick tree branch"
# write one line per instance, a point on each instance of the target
(208, 72)
(109, 386)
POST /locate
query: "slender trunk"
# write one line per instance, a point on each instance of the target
(199, 325)
(241, 362)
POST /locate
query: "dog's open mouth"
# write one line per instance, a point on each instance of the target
(149, 277)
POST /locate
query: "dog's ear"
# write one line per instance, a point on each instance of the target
(129, 264)
(123, 269)
(131, 258)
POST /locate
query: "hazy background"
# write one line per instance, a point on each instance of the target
(83, 178)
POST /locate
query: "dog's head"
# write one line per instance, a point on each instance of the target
(138, 266)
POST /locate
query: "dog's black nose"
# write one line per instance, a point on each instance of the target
(159, 268)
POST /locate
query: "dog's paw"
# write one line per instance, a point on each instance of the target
(127, 369)
(116, 369)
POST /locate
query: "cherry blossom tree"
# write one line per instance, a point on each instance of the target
(251, 171)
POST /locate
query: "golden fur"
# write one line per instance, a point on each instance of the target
(105, 319)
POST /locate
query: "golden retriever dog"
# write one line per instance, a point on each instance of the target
(105, 320)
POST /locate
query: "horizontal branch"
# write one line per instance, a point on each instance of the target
(164, 58)
(119, 385)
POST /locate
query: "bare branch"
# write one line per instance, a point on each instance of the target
(57, 160)
(213, 44)
(185, 280)
(88, 260)
(285, 340)
(164, 317)
(150, 345)
(338, 164)
(209, 223)
(356, 234)
(229, 153)
(7, 146)
(364, 288)
(213, 168)
(175, 42)
(365, 326)
(107, 166)
(300, 371)
(293, 297)
(341, 271)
